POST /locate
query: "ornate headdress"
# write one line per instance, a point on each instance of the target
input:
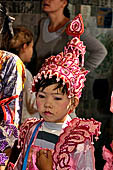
(68, 65)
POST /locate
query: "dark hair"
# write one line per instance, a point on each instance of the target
(3, 9)
(43, 83)
(21, 36)
(4, 20)
(66, 10)
(6, 25)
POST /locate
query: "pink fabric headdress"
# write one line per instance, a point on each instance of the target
(66, 65)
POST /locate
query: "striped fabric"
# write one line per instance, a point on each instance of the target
(49, 133)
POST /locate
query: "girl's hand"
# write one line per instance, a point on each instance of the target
(44, 160)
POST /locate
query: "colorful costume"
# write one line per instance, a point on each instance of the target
(72, 144)
(12, 77)
(74, 152)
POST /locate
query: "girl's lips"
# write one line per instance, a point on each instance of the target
(47, 113)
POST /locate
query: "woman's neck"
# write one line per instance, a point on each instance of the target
(57, 22)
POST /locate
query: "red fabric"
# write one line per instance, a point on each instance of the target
(4, 102)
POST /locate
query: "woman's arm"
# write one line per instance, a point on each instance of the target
(95, 51)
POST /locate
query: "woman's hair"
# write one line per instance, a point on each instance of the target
(21, 36)
(66, 10)
(43, 83)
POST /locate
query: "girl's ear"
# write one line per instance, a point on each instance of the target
(76, 102)
(73, 105)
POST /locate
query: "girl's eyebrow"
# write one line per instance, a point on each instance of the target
(53, 93)
(41, 91)
(56, 93)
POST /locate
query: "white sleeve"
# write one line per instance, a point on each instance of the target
(29, 99)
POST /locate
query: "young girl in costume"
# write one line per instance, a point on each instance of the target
(12, 77)
(55, 141)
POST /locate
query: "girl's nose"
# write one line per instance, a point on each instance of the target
(48, 102)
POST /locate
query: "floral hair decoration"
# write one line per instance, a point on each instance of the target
(68, 65)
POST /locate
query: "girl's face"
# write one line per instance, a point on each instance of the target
(27, 52)
(52, 104)
(53, 5)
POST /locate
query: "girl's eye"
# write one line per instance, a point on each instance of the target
(41, 96)
(57, 98)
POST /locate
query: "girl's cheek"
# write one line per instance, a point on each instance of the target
(66, 104)
(38, 103)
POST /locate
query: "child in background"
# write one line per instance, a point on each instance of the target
(21, 44)
(55, 141)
